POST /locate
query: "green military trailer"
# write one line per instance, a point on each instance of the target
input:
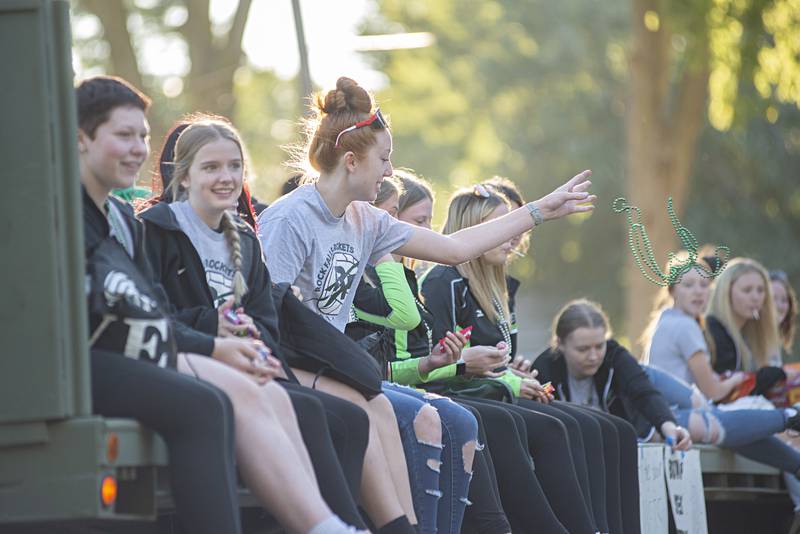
(62, 469)
(58, 462)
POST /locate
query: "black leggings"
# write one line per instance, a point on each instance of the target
(335, 433)
(485, 515)
(549, 443)
(195, 420)
(589, 458)
(623, 504)
(523, 499)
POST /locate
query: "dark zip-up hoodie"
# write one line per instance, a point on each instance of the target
(621, 384)
(96, 230)
(178, 266)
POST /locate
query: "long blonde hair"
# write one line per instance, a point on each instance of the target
(487, 283)
(202, 130)
(757, 341)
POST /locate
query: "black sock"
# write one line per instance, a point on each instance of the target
(397, 526)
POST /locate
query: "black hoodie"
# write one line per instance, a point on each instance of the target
(622, 387)
(139, 298)
(178, 267)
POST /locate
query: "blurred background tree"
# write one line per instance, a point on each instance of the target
(694, 99)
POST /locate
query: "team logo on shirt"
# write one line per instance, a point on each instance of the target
(145, 335)
(335, 279)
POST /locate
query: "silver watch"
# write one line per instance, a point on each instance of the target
(536, 215)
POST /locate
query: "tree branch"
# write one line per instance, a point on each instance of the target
(114, 18)
(233, 47)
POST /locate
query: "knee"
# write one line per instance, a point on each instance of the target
(381, 407)
(626, 432)
(307, 406)
(214, 409)
(704, 430)
(457, 420)
(276, 399)
(697, 400)
(428, 426)
(553, 427)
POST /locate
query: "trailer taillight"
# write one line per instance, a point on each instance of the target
(108, 491)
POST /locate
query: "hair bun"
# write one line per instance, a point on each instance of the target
(347, 97)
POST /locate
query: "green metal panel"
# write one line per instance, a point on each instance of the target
(60, 479)
(43, 363)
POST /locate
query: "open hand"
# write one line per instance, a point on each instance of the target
(572, 197)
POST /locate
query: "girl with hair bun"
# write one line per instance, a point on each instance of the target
(321, 236)
(209, 262)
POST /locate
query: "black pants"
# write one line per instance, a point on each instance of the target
(525, 503)
(195, 420)
(552, 450)
(623, 504)
(335, 433)
(485, 515)
(593, 443)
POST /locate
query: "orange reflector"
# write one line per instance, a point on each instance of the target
(108, 491)
(112, 447)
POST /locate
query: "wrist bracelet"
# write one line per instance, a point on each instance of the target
(536, 215)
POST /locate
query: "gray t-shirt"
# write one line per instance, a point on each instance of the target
(582, 391)
(676, 339)
(325, 256)
(212, 249)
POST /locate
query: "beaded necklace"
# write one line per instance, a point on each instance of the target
(428, 329)
(645, 258)
(502, 322)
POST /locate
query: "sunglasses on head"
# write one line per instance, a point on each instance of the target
(375, 120)
(483, 190)
(779, 275)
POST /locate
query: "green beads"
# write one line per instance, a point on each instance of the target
(645, 258)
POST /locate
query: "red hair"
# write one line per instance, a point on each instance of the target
(338, 109)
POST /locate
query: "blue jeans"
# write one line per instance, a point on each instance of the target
(439, 482)
(748, 432)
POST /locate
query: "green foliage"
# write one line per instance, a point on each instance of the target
(535, 90)
(746, 191)
(525, 89)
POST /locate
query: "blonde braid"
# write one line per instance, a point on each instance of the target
(233, 239)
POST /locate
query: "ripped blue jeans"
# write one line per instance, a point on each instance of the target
(748, 432)
(439, 481)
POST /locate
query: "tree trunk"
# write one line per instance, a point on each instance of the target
(661, 144)
(210, 82)
(114, 18)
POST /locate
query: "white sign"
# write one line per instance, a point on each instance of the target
(685, 485)
(652, 490)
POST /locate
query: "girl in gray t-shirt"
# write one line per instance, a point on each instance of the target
(321, 236)
(675, 343)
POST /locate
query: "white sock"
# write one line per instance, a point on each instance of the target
(332, 525)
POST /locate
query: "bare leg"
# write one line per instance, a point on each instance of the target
(267, 458)
(384, 497)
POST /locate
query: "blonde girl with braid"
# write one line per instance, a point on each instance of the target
(209, 169)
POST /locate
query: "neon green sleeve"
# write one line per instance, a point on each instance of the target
(398, 295)
(512, 380)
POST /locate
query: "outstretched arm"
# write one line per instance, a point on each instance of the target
(469, 243)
